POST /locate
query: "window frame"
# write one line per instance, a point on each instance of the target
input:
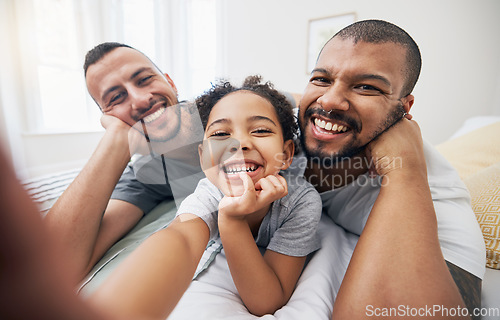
(171, 48)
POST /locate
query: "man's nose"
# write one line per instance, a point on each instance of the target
(140, 100)
(334, 98)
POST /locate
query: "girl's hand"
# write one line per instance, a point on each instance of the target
(255, 197)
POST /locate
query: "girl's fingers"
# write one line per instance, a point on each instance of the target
(273, 188)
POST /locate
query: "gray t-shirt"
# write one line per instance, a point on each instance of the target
(288, 228)
(459, 234)
(148, 180)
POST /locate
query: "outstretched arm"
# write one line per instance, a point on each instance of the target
(85, 224)
(398, 262)
(150, 282)
(34, 281)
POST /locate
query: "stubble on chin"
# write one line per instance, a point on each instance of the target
(317, 150)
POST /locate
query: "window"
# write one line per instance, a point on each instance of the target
(178, 35)
(62, 99)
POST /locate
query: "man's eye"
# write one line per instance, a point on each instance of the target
(144, 80)
(319, 80)
(116, 98)
(367, 87)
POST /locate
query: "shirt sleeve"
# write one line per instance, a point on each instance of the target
(204, 203)
(297, 236)
(145, 196)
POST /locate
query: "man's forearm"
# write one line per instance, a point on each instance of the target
(398, 260)
(75, 218)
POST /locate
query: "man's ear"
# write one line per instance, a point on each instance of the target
(171, 82)
(288, 150)
(200, 154)
(408, 102)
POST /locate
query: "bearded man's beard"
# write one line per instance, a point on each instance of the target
(317, 153)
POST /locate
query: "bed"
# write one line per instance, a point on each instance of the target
(212, 295)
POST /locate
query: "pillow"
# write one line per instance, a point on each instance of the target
(473, 151)
(484, 188)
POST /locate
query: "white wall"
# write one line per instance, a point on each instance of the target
(48, 153)
(458, 39)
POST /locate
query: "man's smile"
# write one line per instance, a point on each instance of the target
(329, 126)
(152, 117)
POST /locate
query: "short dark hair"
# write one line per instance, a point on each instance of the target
(99, 51)
(379, 31)
(219, 90)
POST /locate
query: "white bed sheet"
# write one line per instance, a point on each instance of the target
(214, 296)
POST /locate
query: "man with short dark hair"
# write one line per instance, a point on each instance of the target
(91, 215)
(355, 124)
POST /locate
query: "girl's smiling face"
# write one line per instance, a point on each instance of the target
(243, 134)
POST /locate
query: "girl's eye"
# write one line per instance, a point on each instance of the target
(219, 134)
(262, 131)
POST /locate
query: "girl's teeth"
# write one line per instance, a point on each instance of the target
(240, 169)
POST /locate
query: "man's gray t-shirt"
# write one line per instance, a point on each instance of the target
(148, 180)
(288, 228)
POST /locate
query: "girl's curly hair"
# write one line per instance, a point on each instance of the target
(266, 90)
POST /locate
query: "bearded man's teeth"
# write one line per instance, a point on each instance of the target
(328, 126)
(152, 117)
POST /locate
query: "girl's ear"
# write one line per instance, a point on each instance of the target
(288, 150)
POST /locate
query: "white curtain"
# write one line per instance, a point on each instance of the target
(44, 43)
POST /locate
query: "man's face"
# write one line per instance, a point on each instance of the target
(353, 95)
(126, 84)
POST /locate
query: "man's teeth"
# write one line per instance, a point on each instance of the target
(237, 169)
(329, 126)
(152, 117)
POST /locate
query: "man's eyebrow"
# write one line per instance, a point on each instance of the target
(365, 76)
(321, 70)
(369, 76)
(139, 71)
(132, 77)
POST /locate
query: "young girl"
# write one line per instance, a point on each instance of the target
(244, 200)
